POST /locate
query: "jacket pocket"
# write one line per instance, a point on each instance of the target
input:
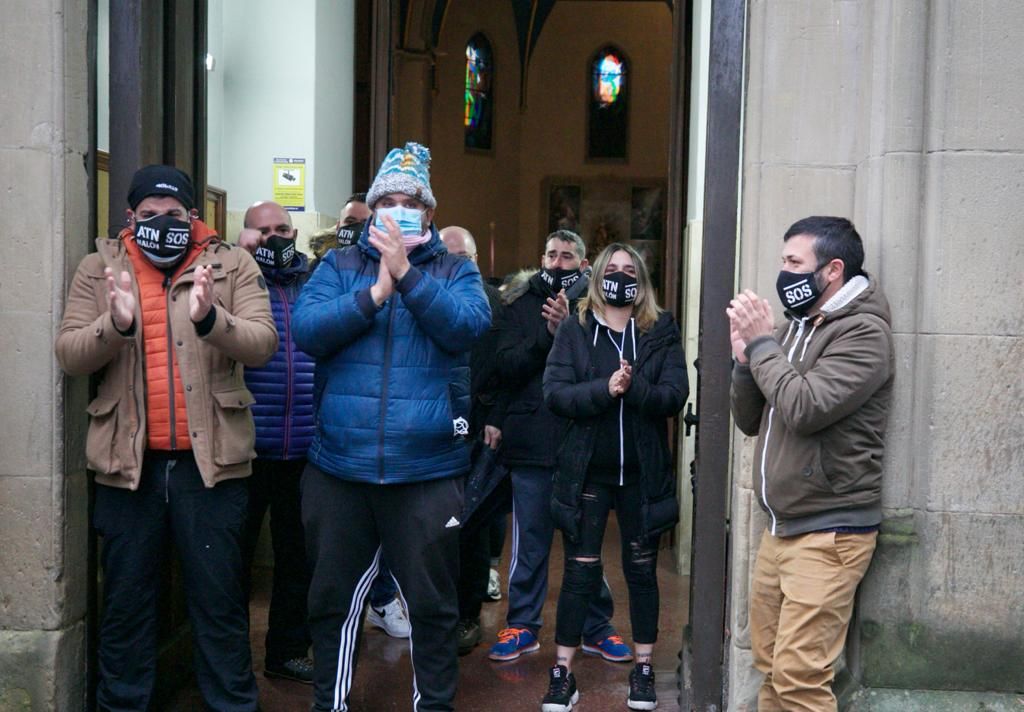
(797, 485)
(567, 518)
(101, 441)
(234, 433)
(660, 515)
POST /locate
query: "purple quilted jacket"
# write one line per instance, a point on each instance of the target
(283, 389)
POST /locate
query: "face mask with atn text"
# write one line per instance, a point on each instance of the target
(349, 234)
(277, 253)
(163, 239)
(619, 289)
(559, 279)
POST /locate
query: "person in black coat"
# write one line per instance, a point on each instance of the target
(486, 415)
(617, 371)
(535, 304)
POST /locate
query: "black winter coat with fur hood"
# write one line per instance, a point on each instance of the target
(531, 432)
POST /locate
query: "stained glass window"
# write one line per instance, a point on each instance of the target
(479, 102)
(608, 114)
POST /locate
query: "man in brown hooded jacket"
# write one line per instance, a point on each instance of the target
(816, 391)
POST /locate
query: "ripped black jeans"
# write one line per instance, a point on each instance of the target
(582, 580)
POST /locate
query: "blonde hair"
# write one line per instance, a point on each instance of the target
(645, 309)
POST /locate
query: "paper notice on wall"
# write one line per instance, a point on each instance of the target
(290, 183)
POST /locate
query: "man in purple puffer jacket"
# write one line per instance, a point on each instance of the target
(283, 414)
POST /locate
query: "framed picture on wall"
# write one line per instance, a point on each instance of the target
(647, 213)
(607, 209)
(605, 214)
(564, 207)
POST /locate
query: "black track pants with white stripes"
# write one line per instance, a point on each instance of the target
(350, 527)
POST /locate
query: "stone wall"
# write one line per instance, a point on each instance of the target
(908, 116)
(44, 219)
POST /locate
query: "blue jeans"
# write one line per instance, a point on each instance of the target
(532, 532)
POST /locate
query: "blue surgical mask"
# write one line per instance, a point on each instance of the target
(409, 220)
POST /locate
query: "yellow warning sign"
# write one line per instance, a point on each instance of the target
(290, 183)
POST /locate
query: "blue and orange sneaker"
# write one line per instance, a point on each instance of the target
(513, 642)
(611, 648)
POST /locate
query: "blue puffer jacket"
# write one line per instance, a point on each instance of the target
(392, 385)
(283, 389)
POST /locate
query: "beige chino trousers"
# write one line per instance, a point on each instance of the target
(801, 600)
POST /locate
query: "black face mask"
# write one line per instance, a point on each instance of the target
(798, 291)
(619, 289)
(559, 279)
(278, 253)
(163, 239)
(349, 234)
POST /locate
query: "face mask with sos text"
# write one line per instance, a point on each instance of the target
(277, 253)
(798, 291)
(163, 239)
(619, 289)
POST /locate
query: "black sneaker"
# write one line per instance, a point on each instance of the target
(296, 669)
(641, 688)
(562, 692)
(467, 633)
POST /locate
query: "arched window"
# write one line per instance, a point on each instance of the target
(479, 109)
(608, 112)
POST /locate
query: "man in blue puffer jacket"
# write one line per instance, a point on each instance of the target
(283, 414)
(390, 322)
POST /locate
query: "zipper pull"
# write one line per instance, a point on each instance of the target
(167, 281)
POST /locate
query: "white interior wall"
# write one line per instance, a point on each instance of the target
(282, 87)
(215, 95)
(269, 69)
(333, 119)
(103, 75)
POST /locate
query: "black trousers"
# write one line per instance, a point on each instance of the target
(173, 505)
(350, 527)
(274, 485)
(582, 580)
(476, 549)
(474, 570)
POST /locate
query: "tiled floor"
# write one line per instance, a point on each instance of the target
(383, 680)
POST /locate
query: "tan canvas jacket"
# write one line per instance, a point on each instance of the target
(216, 399)
(817, 394)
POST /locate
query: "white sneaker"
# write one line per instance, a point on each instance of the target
(493, 586)
(391, 618)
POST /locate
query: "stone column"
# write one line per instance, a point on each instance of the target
(44, 219)
(908, 117)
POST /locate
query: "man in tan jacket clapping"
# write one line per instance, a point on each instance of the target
(166, 315)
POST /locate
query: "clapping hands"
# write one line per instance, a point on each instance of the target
(120, 299)
(555, 310)
(620, 381)
(200, 298)
(750, 317)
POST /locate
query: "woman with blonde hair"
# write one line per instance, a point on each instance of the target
(618, 373)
